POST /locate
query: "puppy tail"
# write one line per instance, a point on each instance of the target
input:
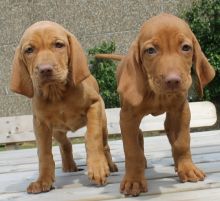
(116, 57)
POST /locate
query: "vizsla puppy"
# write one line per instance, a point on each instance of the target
(50, 67)
(153, 78)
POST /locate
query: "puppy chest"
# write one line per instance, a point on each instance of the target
(162, 103)
(67, 121)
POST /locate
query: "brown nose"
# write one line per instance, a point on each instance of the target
(45, 69)
(172, 81)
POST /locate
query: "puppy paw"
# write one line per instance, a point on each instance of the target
(133, 187)
(98, 171)
(187, 171)
(69, 167)
(40, 187)
(113, 167)
(145, 165)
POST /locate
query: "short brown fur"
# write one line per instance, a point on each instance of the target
(50, 67)
(154, 78)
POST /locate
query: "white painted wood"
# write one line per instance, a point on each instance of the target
(157, 171)
(20, 128)
(80, 156)
(157, 188)
(155, 147)
(20, 167)
(168, 161)
(156, 144)
(201, 195)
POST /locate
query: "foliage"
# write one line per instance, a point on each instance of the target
(104, 71)
(204, 20)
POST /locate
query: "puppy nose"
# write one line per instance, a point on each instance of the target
(173, 81)
(45, 69)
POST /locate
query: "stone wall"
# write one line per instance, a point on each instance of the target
(92, 21)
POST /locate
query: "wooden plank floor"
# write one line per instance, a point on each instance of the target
(19, 167)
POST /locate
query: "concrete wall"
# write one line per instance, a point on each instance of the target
(92, 21)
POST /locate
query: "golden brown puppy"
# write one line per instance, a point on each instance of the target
(152, 79)
(50, 67)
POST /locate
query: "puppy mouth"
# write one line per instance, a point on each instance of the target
(160, 88)
(173, 91)
(48, 73)
(47, 79)
(169, 84)
(52, 78)
(44, 80)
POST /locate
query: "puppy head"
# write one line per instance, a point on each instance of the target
(47, 55)
(166, 49)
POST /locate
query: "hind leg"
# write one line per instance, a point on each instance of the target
(111, 164)
(68, 164)
(141, 142)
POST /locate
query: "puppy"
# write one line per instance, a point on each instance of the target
(154, 78)
(50, 67)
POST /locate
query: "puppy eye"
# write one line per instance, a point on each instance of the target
(186, 48)
(151, 51)
(29, 50)
(59, 45)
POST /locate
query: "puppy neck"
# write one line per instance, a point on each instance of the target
(52, 92)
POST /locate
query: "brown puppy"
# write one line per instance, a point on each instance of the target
(152, 79)
(50, 67)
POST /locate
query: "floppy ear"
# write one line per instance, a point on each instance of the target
(20, 80)
(77, 61)
(203, 68)
(131, 85)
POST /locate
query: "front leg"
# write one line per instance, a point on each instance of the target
(134, 181)
(177, 128)
(46, 177)
(98, 168)
(68, 164)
